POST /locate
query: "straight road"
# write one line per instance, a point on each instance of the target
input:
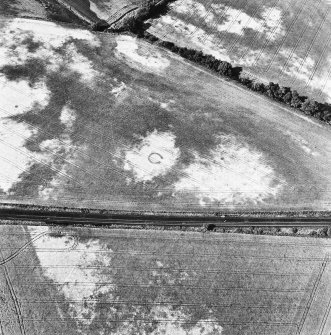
(130, 219)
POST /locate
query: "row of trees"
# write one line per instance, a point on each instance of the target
(290, 97)
(284, 95)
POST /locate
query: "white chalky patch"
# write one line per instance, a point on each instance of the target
(19, 96)
(191, 6)
(303, 144)
(234, 175)
(62, 147)
(119, 89)
(50, 36)
(154, 156)
(237, 21)
(322, 82)
(68, 116)
(303, 68)
(297, 67)
(138, 56)
(80, 64)
(102, 13)
(174, 325)
(14, 157)
(159, 264)
(49, 32)
(75, 271)
(198, 37)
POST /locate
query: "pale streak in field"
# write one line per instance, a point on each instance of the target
(139, 58)
(234, 175)
(68, 269)
(236, 20)
(59, 147)
(302, 69)
(303, 144)
(14, 51)
(14, 157)
(162, 146)
(102, 13)
(198, 37)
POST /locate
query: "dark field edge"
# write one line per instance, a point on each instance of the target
(324, 232)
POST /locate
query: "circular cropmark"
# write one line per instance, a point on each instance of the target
(155, 158)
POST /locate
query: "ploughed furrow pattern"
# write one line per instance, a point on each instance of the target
(125, 281)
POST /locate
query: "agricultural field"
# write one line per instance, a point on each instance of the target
(82, 281)
(23, 8)
(39, 9)
(111, 11)
(284, 41)
(109, 121)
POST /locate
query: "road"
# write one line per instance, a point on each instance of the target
(131, 219)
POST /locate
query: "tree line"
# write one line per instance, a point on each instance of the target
(284, 95)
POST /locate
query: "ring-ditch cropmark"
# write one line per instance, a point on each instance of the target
(155, 158)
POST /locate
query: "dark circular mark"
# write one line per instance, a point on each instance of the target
(155, 158)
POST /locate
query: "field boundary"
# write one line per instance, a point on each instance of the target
(313, 294)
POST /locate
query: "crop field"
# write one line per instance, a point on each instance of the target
(148, 282)
(284, 41)
(110, 121)
(107, 10)
(22, 8)
(39, 9)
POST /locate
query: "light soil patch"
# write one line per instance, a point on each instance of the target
(280, 41)
(25, 8)
(234, 174)
(119, 89)
(68, 116)
(154, 156)
(131, 139)
(171, 323)
(82, 283)
(48, 37)
(143, 58)
(15, 158)
(199, 38)
(170, 282)
(101, 11)
(304, 145)
(237, 21)
(30, 96)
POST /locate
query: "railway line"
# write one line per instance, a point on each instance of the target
(159, 220)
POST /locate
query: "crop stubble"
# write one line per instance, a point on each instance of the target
(251, 284)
